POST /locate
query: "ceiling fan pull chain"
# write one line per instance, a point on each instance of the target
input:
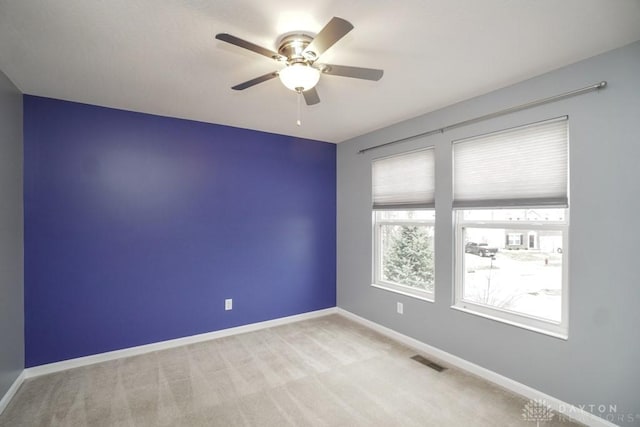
(299, 121)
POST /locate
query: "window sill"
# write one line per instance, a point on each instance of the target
(560, 335)
(421, 295)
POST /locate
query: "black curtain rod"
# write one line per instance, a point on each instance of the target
(520, 107)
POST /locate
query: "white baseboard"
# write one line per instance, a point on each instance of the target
(559, 406)
(4, 402)
(563, 408)
(162, 345)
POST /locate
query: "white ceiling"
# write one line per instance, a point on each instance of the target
(161, 57)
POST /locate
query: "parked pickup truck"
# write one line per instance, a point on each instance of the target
(480, 249)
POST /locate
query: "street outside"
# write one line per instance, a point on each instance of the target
(526, 281)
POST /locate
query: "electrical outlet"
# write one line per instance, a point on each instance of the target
(228, 304)
(400, 308)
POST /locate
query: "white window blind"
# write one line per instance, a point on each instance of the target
(525, 166)
(405, 181)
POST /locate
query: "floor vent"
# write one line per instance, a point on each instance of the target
(427, 362)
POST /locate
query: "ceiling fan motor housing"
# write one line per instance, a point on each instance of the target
(292, 47)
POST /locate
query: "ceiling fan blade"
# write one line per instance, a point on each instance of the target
(249, 46)
(255, 81)
(327, 37)
(354, 72)
(311, 96)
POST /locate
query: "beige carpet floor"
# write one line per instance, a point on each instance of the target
(327, 371)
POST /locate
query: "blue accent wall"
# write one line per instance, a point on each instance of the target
(137, 227)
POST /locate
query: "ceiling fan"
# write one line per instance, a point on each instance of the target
(300, 51)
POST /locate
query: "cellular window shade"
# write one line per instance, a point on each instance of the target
(525, 166)
(405, 181)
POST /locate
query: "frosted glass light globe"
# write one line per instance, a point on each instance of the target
(299, 77)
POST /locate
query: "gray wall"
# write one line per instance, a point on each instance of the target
(599, 363)
(11, 236)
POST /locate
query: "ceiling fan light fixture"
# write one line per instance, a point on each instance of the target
(299, 77)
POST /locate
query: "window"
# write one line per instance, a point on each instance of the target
(404, 251)
(504, 277)
(403, 223)
(511, 201)
(515, 239)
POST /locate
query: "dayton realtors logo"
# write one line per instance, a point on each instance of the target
(606, 411)
(537, 410)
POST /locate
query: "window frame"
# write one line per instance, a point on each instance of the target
(519, 319)
(376, 275)
(508, 153)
